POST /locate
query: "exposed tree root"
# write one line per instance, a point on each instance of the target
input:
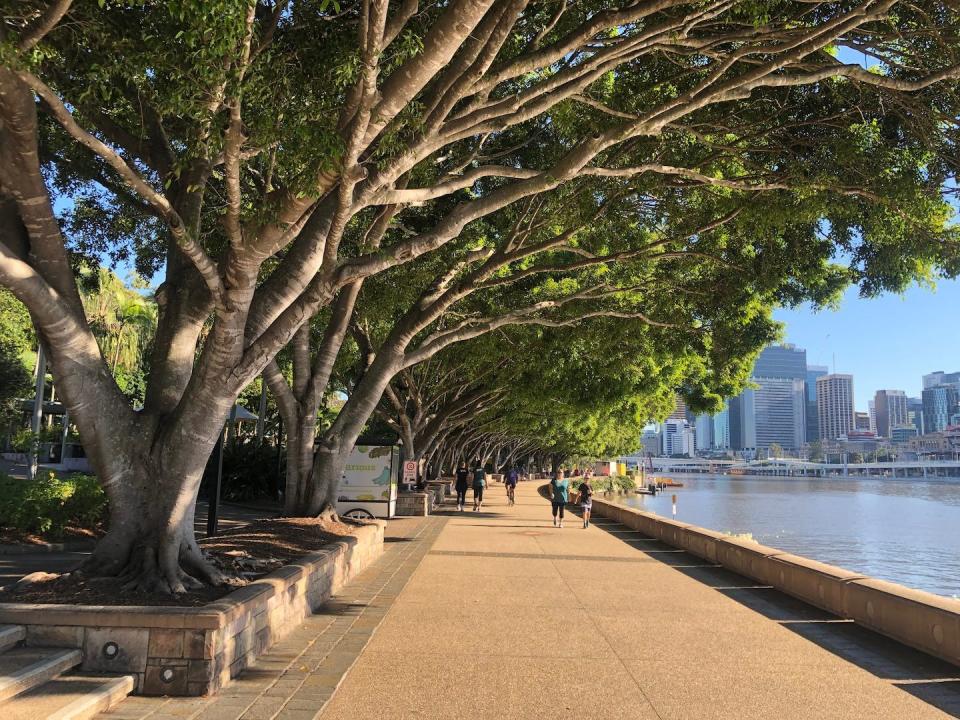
(152, 570)
(329, 514)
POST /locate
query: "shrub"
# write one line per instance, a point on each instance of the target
(24, 441)
(48, 505)
(615, 483)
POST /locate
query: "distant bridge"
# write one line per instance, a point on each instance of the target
(791, 467)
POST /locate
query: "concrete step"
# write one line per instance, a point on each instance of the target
(69, 697)
(23, 668)
(10, 635)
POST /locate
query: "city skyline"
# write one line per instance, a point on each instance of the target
(888, 342)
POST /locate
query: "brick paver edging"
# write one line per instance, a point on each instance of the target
(196, 651)
(922, 620)
(297, 677)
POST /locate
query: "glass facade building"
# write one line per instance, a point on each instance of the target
(941, 405)
(813, 421)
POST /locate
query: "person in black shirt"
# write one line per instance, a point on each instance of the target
(463, 476)
(585, 498)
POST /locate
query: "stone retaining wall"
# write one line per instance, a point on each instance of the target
(922, 620)
(196, 651)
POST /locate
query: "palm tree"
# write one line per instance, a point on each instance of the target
(123, 321)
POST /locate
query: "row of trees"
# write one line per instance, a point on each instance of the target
(539, 218)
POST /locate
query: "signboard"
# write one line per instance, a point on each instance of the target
(369, 480)
(409, 471)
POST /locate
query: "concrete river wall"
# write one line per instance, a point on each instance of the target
(922, 620)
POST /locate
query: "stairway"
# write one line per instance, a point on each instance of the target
(37, 683)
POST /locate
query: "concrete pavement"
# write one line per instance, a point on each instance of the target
(500, 615)
(509, 617)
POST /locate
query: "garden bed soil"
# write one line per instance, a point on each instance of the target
(244, 553)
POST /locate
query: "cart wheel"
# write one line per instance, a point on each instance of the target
(358, 514)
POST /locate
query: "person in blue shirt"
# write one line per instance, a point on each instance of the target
(511, 479)
(560, 488)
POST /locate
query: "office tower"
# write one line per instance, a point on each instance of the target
(775, 410)
(679, 409)
(941, 406)
(891, 410)
(721, 428)
(703, 432)
(651, 441)
(835, 405)
(861, 421)
(678, 438)
(939, 377)
(781, 361)
(872, 413)
(810, 387)
(915, 414)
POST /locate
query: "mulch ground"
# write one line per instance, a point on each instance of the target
(243, 553)
(70, 534)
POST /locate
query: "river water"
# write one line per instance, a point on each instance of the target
(905, 531)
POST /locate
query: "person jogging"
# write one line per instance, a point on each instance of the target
(479, 483)
(461, 485)
(585, 499)
(511, 480)
(561, 490)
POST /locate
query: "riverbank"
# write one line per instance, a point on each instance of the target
(902, 531)
(924, 621)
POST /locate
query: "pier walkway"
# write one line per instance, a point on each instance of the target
(500, 615)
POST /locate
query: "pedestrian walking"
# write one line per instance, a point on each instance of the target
(561, 492)
(511, 480)
(479, 483)
(461, 485)
(585, 498)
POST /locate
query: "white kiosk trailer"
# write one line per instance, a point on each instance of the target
(368, 488)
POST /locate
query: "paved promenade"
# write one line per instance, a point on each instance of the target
(500, 615)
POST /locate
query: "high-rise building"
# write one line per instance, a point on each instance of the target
(774, 411)
(781, 361)
(810, 386)
(679, 409)
(779, 408)
(721, 428)
(678, 438)
(939, 377)
(941, 406)
(891, 410)
(650, 441)
(872, 414)
(703, 432)
(861, 421)
(915, 414)
(835, 405)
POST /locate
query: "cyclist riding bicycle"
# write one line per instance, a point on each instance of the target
(513, 476)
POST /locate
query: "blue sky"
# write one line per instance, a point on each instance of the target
(886, 342)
